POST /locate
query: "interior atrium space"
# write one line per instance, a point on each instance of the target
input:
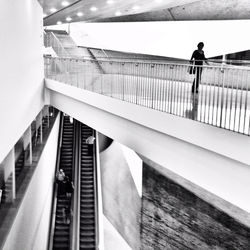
(125, 125)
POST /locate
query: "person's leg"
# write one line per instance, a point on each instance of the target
(90, 149)
(195, 82)
(199, 70)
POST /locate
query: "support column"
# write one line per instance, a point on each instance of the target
(39, 125)
(27, 144)
(45, 112)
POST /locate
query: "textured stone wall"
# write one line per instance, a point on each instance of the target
(176, 219)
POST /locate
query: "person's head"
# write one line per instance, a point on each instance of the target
(61, 170)
(200, 45)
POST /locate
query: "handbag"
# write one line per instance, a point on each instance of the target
(191, 68)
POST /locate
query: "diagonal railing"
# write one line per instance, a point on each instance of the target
(50, 40)
(222, 101)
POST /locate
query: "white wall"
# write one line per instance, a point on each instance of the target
(215, 159)
(112, 238)
(31, 226)
(8, 164)
(122, 211)
(21, 69)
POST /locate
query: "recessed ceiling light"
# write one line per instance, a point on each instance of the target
(110, 1)
(79, 14)
(93, 8)
(118, 13)
(53, 10)
(65, 3)
(59, 22)
(68, 19)
(136, 7)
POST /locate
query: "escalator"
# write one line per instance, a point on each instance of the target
(61, 237)
(73, 157)
(19, 164)
(87, 229)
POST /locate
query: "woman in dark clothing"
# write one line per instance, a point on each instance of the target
(69, 186)
(198, 57)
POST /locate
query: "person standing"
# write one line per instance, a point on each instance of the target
(197, 58)
(90, 142)
(60, 175)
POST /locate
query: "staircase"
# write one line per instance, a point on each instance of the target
(86, 71)
(69, 45)
(87, 194)
(19, 164)
(61, 239)
(6, 187)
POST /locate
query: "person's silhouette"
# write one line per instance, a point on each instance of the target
(197, 58)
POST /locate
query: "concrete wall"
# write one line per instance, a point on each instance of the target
(209, 157)
(21, 66)
(174, 218)
(104, 142)
(31, 226)
(121, 201)
(112, 239)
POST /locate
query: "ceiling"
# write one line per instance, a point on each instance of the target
(66, 11)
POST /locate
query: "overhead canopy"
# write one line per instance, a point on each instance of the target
(142, 10)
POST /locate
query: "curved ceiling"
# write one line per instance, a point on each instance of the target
(60, 11)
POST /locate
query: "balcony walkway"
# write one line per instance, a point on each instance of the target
(223, 98)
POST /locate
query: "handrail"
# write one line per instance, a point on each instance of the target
(76, 201)
(229, 60)
(54, 197)
(144, 61)
(60, 44)
(223, 98)
(105, 53)
(96, 194)
(74, 167)
(54, 42)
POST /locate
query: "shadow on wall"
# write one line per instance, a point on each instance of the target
(104, 142)
(121, 201)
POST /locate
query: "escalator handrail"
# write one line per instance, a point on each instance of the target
(74, 161)
(96, 194)
(74, 244)
(54, 197)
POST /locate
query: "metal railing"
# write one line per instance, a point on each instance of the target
(222, 101)
(95, 148)
(77, 183)
(50, 40)
(54, 197)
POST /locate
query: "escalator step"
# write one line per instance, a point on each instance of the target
(87, 228)
(87, 239)
(90, 233)
(87, 216)
(87, 221)
(86, 200)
